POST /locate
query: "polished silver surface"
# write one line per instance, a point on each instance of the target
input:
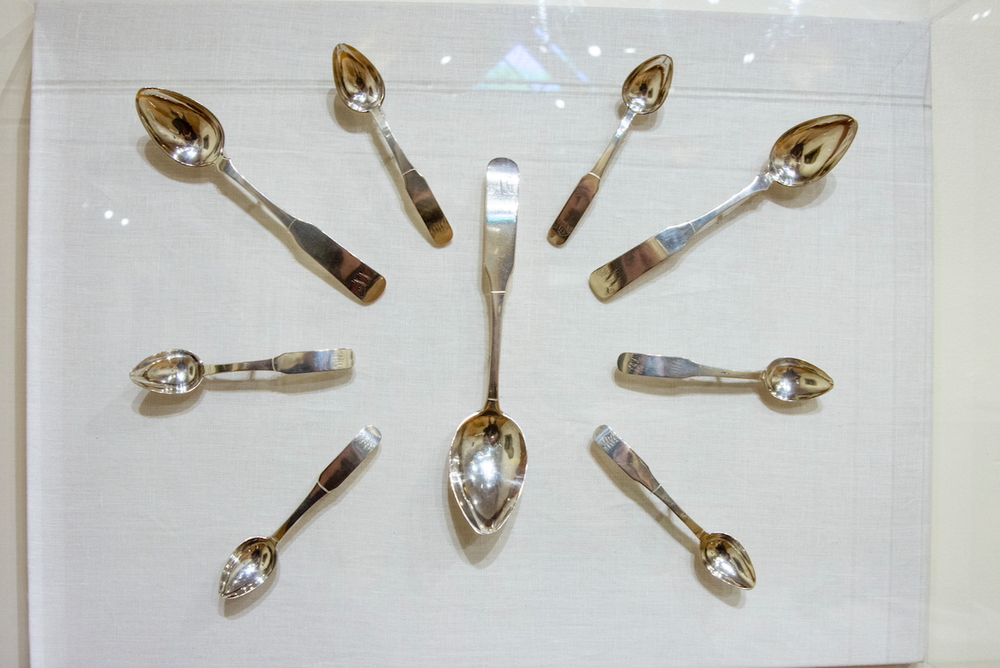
(802, 155)
(644, 91)
(786, 378)
(191, 135)
(488, 456)
(254, 560)
(179, 371)
(723, 555)
(361, 87)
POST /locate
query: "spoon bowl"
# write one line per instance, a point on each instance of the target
(173, 371)
(486, 468)
(358, 82)
(727, 560)
(646, 87)
(186, 131)
(792, 379)
(248, 566)
(807, 152)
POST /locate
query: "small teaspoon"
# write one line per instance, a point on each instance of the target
(723, 555)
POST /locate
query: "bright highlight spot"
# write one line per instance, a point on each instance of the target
(747, 59)
(595, 51)
(446, 60)
(713, 2)
(631, 49)
(108, 214)
(561, 104)
(124, 222)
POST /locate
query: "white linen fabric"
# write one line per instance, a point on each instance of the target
(136, 500)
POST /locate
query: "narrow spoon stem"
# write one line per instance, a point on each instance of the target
(390, 139)
(630, 462)
(256, 365)
(334, 474)
(496, 327)
(225, 166)
(616, 141)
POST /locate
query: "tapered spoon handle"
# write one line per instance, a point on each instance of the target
(660, 366)
(633, 263)
(308, 361)
(416, 186)
(571, 213)
(335, 474)
(632, 464)
(360, 280)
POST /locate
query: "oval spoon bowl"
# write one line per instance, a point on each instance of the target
(186, 131)
(792, 379)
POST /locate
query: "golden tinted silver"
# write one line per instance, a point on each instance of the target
(644, 91)
(722, 555)
(179, 371)
(254, 559)
(802, 155)
(192, 135)
(786, 378)
(362, 89)
(488, 456)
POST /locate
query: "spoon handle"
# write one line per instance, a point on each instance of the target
(632, 464)
(360, 280)
(416, 186)
(659, 366)
(499, 237)
(334, 474)
(585, 190)
(308, 361)
(633, 263)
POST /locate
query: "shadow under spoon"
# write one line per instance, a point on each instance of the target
(802, 155)
(721, 554)
(192, 136)
(254, 560)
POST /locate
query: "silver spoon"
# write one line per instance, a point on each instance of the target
(179, 371)
(488, 457)
(252, 562)
(786, 378)
(803, 155)
(722, 554)
(644, 91)
(362, 88)
(191, 135)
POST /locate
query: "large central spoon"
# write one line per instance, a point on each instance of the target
(802, 155)
(644, 91)
(362, 88)
(252, 562)
(786, 378)
(722, 554)
(488, 456)
(178, 371)
(191, 135)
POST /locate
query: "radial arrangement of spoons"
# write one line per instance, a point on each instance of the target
(179, 371)
(802, 155)
(723, 556)
(253, 561)
(192, 136)
(786, 378)
(643, 92)
(362, 88)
